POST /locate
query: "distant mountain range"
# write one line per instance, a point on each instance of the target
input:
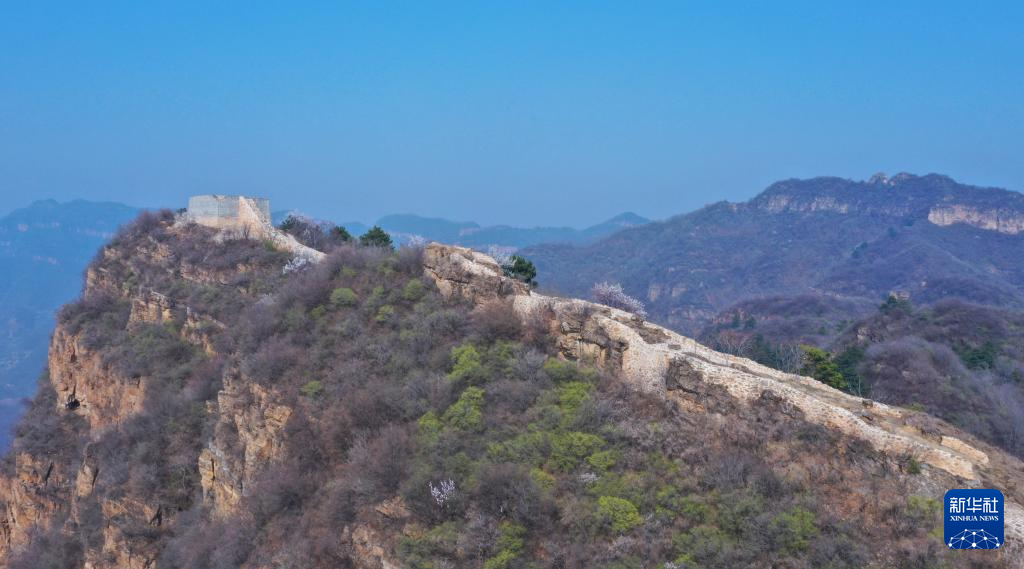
(44, 249)
(470, 234)
(927, 236)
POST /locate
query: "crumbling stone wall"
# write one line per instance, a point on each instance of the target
(249, 217)
(656, 360)
(227, 211)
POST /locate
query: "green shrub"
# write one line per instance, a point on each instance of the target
(502, 560)
(709, 539)
(571, 397)
(467, 364)
(895, 304)
(511, 538)
(414, 290)
(543, 479)
(603, 460)
(430, 427)
(344, 296)
(628, 486)
(560, 370)
(384, 313)
(312, 388)
(568, 449)
(620, 514)
(983, 357)
(797, 527)
(510, 546)
(923, 506)
(377, 294)
(418, 552)
(466, 413)
(526, 448)
(925, 512)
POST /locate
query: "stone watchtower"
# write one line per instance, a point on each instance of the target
(229, 212)
(250, 217)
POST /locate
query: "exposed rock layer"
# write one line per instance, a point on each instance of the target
(1007, 221)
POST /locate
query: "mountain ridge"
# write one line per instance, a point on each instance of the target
(471, 234)
(826, 234)
(204, 408)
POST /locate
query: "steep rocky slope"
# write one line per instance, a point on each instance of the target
(43, 250)
(204, 407)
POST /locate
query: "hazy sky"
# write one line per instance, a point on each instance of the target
(501, 112)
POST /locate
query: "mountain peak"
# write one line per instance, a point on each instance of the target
(628, 218)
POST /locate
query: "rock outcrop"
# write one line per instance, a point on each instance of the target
(250, 419)
(1003, 220)
(656, 360)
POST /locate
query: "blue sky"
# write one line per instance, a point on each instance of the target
(501, 112)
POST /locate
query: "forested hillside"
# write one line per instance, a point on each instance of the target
(956, 360)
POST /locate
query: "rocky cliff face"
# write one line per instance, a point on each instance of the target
(92, 397)
(247, 437)
(1008, 221)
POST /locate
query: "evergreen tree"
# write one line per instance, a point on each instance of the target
(520, 269)
(847, 362)
(819, 365)
(376, 237)
(340, 235)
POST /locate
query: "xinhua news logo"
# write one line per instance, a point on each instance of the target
(974, 519)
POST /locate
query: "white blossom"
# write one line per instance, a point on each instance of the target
(415, 241)
(611, 294)
(298, 262)
(588, 478)
(503, 255)
(443, 492)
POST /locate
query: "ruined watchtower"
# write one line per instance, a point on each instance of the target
(248, 217)
(229, 212)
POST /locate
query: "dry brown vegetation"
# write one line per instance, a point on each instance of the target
(502, 455)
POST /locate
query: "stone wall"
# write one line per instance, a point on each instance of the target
(225, 211)
(655, 360)
(249, 217)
